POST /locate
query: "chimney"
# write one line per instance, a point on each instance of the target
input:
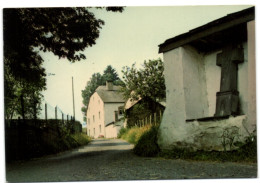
(109, 85)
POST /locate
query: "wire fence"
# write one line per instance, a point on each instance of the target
(50, 112)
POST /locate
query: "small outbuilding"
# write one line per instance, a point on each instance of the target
(210, 78)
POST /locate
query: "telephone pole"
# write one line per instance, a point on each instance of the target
(73, 99)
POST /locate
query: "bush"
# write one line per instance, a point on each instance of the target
(144, 138)
(147, 144)
(81, 139)
(122, 131)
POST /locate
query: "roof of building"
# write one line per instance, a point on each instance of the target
(130, 103)
(208, 36)
(110, 96)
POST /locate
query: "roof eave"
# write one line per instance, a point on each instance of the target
(208, 29)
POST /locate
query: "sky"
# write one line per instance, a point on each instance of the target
(126, 38)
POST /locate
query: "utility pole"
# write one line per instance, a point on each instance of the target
(73, 99)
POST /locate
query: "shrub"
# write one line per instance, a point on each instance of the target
(81, 138)
(144, 138)
(122, 131)
(147, 144)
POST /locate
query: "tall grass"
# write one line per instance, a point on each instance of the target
(132, 135)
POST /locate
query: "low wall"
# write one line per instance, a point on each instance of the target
(218, 135)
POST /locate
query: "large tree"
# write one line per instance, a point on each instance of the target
(21, 97)
(147, 82)
(96, 80)
(64, 31)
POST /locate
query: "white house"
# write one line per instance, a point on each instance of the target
(104, 111)
(210, 84)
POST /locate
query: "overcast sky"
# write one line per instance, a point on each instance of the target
(126, 38)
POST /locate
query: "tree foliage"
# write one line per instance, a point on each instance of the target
(66, 32)
(96, 80)
(147, 82)
(21, 98)
(63, 31)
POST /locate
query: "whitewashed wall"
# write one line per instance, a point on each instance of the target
(192, 81)
(213, 76)
(96, 106)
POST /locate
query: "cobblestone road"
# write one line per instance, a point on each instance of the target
(114, 160)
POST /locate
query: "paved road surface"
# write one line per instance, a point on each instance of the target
(114, 160)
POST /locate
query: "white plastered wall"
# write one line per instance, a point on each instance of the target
(194, 80)
(174, 130)
(251, 77)
(96, 109)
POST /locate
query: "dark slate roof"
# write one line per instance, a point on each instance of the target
(208, 35)
(110, 96)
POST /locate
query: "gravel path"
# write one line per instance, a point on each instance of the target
(114, 160)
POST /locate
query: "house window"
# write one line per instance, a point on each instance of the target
(120, 110)
(99, 114)
(93, 118)
(99, 128)
(116, 116)
(88, 121)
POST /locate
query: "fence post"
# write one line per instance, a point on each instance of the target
(56, 112)
(150, 119)
(67, 117)
(160, 116)
(46, 114)
(62, 118)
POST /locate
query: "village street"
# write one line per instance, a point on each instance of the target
(114, 160)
